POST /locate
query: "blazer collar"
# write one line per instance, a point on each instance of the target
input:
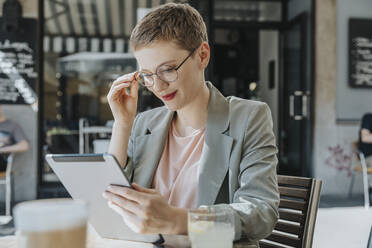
(218, 110)
(215, 157)
(149, 148)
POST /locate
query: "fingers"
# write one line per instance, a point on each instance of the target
(142, 189)
(127, 78)
(134, 89)
(117, 92)
(129, 218)
(128, 193)
(124, 203)
(119, 209)
(121, 84)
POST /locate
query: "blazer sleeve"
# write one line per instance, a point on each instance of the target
(129, 166)
(255, 202)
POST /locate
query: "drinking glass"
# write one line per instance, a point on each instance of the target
(49, 223)
(208, 227)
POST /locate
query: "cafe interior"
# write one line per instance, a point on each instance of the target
(310, 61)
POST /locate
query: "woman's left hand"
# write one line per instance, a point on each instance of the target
(145, 210)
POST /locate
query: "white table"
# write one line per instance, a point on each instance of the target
(342, 227)
(95, 241)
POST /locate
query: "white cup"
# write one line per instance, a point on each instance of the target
(49, 223)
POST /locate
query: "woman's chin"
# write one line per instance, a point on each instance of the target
(171, 106)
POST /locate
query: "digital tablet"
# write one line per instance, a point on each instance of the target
(86, 177)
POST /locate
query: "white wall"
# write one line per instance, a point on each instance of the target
(327, 133)
(269, 50)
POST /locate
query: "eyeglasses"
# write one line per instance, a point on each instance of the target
(164, 73)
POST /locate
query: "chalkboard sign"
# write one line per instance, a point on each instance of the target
(360, 53)
(18, 64)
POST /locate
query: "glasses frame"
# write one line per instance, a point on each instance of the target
(142, 77)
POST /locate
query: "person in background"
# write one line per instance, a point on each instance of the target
(12, 140)
(365, 145)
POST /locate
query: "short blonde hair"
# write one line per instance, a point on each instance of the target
(173, 22)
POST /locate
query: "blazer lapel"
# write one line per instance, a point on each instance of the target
(216, 149)
(149, 148)
(214, 161)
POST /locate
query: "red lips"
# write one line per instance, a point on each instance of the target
(169, 96)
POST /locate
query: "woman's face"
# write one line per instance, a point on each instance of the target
(178, 94)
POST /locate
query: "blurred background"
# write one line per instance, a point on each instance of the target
(302, 57)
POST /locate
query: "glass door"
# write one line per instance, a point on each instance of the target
(294, 101)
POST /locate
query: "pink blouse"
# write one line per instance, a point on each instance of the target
(176, 177)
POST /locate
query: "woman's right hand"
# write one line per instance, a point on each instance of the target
(123, 105)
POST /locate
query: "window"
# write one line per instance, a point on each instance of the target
(85, 49)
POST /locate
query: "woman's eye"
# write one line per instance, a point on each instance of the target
(167, 69)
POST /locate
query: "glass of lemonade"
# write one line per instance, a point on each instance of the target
(208, 227)
(49, 223)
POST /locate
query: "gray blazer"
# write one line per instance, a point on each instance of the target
(238, 161)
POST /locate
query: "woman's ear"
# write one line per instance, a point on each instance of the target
(203, 53)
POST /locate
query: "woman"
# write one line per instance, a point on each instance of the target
(200, 148)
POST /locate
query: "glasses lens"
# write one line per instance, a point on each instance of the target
(168, 75)
(145, 80)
